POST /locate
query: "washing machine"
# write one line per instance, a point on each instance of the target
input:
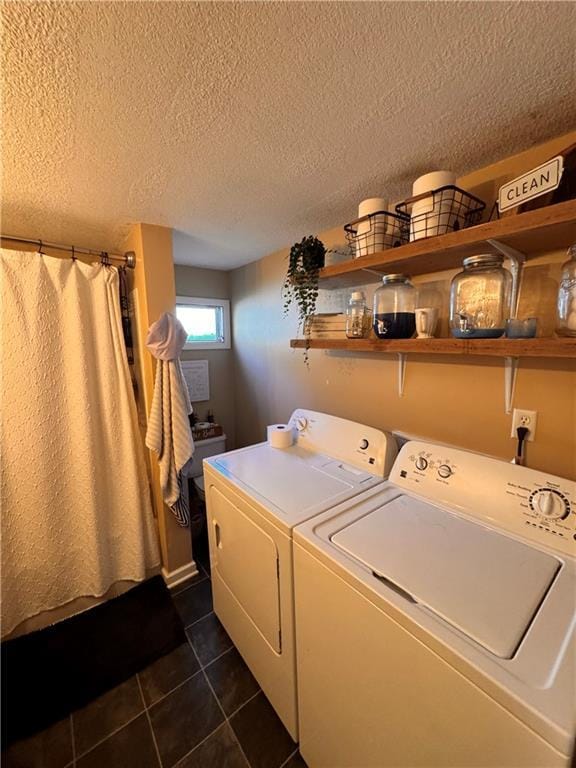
(435, 618)
(254, 497)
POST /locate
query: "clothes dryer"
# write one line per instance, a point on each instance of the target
(255, 496)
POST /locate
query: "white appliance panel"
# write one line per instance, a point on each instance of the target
(364, 447)
(523, 522)
(292, 479)
(372, 695)
(254, 498)
(534, 504)
(246, 558)
(486, 584)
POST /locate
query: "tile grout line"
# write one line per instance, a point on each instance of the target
(289, 757)
(149, 719)
(205, 739)
(226, 718)
(217, 701)
(146, 707)
(112, 733)
(202, 669)
(72, 740)
(216, 658)
(197, 620)
(171, 691)
(231, 715)
(144, 710)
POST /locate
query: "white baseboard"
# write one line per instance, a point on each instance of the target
(173, 578)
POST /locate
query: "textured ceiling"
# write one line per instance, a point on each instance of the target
(247, 125)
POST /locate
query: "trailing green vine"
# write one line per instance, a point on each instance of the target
(301, 283)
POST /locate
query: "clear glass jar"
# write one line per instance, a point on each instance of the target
(357, 316)
(394, 305)
(566, 324)
(480, 298)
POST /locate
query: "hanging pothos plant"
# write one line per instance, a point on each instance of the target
(301, 283)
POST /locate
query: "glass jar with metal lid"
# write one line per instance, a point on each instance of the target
(480, 298)
(358, 318)
(394, 308)
(566, 325)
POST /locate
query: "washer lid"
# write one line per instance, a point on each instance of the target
(486, 584)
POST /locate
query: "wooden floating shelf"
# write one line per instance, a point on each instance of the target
(531, 233)
(544, 347)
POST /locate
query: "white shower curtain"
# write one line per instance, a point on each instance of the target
(76, 513)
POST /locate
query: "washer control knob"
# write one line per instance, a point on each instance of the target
(363, 444)
(444, 470)
(301, 423)
(549, 504)
(421, 463)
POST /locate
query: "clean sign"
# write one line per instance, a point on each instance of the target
(530, 185)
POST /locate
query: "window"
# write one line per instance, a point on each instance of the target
(207, 322)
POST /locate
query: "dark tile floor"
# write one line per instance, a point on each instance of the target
(198, 707)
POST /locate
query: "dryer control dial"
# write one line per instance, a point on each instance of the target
(444, 470)
(550, 503)
(301, 423)
(421, 463)
(363, 444)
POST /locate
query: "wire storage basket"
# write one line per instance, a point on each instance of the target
(439, 211)
(376, 232)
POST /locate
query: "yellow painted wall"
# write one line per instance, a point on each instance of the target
(459, 402)
(212, 284)
(153, 282)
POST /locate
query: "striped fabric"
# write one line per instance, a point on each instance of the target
(169, 434)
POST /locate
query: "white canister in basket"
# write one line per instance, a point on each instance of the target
(430, 216)
(371, 232)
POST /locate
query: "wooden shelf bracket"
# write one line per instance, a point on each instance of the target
(375, 272)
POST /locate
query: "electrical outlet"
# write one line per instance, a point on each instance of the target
(524, 419)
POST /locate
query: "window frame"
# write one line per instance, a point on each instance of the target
(224, 304)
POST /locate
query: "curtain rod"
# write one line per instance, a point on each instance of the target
(129, 258)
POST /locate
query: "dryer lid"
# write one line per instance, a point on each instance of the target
(484, 583)
(294, 480)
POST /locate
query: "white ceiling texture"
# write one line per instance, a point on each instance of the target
(246, 125)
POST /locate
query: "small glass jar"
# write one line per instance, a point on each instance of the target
(394, 308)
(357, 316)
(480, 298)
(566, 315)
